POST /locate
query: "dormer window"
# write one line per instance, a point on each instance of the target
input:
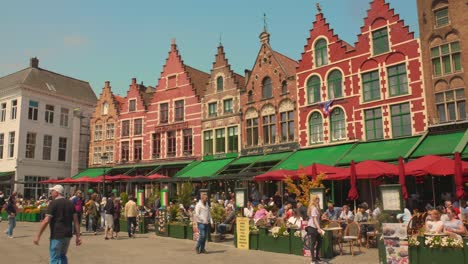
(132, 105)
(219, 84)
(380, 41)
(441, 17)
(321, 54)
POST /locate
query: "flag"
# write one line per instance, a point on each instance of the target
(326, 107)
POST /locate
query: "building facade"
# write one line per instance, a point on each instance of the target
(44, 127)
(443, 28)
(221, 109)
(370, 91)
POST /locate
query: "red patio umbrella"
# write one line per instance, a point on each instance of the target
(353, 193)
(276, 175)
(333, 173)
(87, 179)
(157, 176)
(120, 177)
(430, 165)
(458, 177)
(401, 177)
(66, 180)
(371, 169)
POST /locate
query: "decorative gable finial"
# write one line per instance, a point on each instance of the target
(220, 39)
(264, 23)
(319, 8)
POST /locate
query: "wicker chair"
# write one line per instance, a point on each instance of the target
(337, 235)
(352, 236)
(371, 238)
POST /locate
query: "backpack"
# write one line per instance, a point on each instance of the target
(78, 204)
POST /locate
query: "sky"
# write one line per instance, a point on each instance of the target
(114, 40)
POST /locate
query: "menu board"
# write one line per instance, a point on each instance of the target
(391, 197)
(242, 230)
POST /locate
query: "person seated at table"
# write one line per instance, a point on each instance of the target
(448, 204)
(434, 225)
(260, 214)
(346, 216)
(404, 217)
(331, 213)
(288, 212)
(363, 216)
(453, 225)
(230, 219)
(249, 210)
(273, 215)
(295, 221)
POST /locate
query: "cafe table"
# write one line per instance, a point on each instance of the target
(327, 243)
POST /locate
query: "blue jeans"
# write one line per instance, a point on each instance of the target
(11, 225)
(58, 250)
(203, 229)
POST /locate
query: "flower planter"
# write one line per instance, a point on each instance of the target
(123, 225)
(19, 217)
(253, 241)
(34, 217)
(142, 226)
(178, 231)
(280, 244)
(296, 244)
(440, 255)
(382, 252)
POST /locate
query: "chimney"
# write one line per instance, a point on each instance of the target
(247, 74)
(134, 81)
(34, 63)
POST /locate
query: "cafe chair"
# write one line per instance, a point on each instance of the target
(414, 225)
(371, 238)
(337, 236)
(352, 236)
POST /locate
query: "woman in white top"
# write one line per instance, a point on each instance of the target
(313, 227)
(434, 225)
(453, 225)
(295, 221)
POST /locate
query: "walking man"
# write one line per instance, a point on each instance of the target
(203, 216)
(60, 215)
(11, 212)
(131, 213)
(109, 211)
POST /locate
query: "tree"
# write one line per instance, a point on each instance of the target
(301, 189)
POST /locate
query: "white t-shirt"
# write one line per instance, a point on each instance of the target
(295, 221)
(315, 213)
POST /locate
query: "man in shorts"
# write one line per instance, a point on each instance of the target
(109, 211)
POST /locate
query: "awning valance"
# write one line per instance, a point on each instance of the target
(205, 169)
(441, 145)
(92, 172)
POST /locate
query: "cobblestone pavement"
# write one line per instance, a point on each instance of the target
(147, 248)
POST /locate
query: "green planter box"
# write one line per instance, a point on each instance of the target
(382, 252)
(26, 217)
(123, 225)
(178, 231)
(4, 216)
(189, 230)
(280, 244)
(143, 226)
(296, 244)
(36, 217)
(253, 241)
(440, 255)
(19, 217)
(413, 254)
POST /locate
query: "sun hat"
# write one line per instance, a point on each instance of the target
(58, 188)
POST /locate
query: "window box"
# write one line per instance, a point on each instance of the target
(267, 242)
(297, 246)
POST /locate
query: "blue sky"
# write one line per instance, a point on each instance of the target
(113, 40)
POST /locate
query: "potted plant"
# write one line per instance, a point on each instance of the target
(218, 213)
(277, 239)
(177, 227)
(253, 237)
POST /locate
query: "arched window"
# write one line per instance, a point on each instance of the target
(338, 124)
(105, 108)
(313, 90)
(284, 87)
(315, 128)
(335, 90)
(321, 54)
(219, 83)
(266, 88)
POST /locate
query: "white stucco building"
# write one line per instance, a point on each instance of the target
(44, 128)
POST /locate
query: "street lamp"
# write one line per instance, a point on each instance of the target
(104, 159)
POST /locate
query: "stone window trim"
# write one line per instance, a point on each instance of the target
(337, 124)
(320, 52)
(450, 105)
(335, 84)
(315, 121)
(373, 123)
(380, 40)
(446, 59)
(441, 17)
(314, 89)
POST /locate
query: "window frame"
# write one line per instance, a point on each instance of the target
(33, 110)
(208, 142)
(132, 107)
(62, 150)
(125, 128)
(285, 125)
(269, 129)
(64, 116)
(402, 87)
(138, 126)
(252, 131)
(229, 109)
(441, 60)
(375, 119)
(171, 139)
(156, 145)
(2, 144)
(371, 82)
(110, 130)
(315, 133)
(401, 115)
(49, 114)
(14, 109)
(219, 83)
(188, 141)
(455, 100)
(314, 90)
(232, 139)
(267, 88)
(321, 52)
(11, 144)
(98, 132)
(3, 107)
(212, 109)
(47, 147)
(163, 113)
(30, 152)
(125, 150)
(179, 110)
(335, 125)
(380, 42)
(438, 19)
(137, 149)
(333, 82)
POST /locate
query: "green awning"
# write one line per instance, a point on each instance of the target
(7, 174)
(323, 155)
(273, 157)
(386, 150)
(206, 168)
(442, 145)
(92, 172)
(187, 168)
(246, 160)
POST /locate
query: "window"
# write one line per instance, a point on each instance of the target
(163, 113)
(212, 109)
(171, 144)
(125, 128)
(11, 144)
(110, 154)
(252, 132)
(380, 41)
(266, 88)
(315, 128)
(188, 142)
(207, 143)
(125, 151)
(321, 54)
(14, 109)
(219, 83)
(30, 145)
(179, 110)
(137, 126)
(335, 80)
(220, 141)
(338, 124)
(451, 105)
(64, 117)
(269, 129)
(2, 143)
(137, 145)
(132, 105)
(401, 120)
(97, 155)
(313, 90)
(287, 126)
(156, 139)
(441, 17)
(110, 131)
(49, 114)
(371, 86)
(233, 140)
(227, 106)
(105, 108)
(32, 187)
(33, 110)
(446, 59)
(47, 148)
(397, 80)
(62, 154)
(250, 97)
(373, 121)
(3, 112)
(284, 87)
(97, 132)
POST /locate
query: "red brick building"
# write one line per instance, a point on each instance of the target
(373, 91)
(268, 102)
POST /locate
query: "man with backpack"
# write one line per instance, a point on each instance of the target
(77, 202)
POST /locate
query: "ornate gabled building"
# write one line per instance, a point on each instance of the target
(221, 109)
(268, 102)
(372, 91)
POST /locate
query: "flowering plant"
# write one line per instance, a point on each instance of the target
(277, 231)
(253, 229)
(443, 242)
(297, 234)
(413, 242)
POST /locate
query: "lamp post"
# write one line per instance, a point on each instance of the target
(104, 159)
